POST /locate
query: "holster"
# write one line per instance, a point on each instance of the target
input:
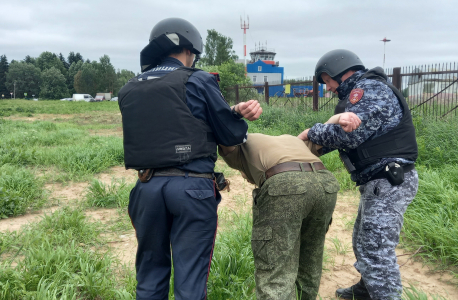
(145, 174)
(221, 183)
(394, 173)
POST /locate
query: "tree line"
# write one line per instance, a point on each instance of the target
(52, 76)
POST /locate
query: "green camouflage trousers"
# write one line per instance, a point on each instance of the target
(291, 214)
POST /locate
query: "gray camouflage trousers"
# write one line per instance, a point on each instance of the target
(376, 234)
(291, 214)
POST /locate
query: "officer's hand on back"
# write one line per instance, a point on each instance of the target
(250, 110)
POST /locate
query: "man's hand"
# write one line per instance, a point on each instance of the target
(250, 110)
(303, 135)
(349, 121)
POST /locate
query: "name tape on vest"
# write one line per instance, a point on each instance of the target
(183, 148)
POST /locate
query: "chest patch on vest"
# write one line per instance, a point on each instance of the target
(356, 95)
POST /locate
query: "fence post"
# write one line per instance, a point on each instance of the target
(397, 79)
(237, 100)
(266, 92)
(315, 94)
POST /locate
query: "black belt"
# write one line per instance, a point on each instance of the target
(145, 174)
(178, 172)
(381, 174)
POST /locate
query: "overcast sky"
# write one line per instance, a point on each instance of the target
(421, 32)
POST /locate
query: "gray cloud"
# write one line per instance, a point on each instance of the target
(422, 32)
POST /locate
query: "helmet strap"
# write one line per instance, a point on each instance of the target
(338, 79)
(196, 59)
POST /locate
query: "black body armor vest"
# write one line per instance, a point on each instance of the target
(159, 129)
(400, 142)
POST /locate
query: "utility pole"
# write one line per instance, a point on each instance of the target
(384, 45)
(15, 89)
(244, 25)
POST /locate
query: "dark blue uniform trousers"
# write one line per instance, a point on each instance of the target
(174, 216)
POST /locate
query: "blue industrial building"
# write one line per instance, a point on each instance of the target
(263, 68)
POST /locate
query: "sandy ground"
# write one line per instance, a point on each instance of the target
(339, 266)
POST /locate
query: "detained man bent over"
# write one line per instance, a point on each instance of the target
(292, 209)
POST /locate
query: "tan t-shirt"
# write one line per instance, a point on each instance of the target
(261, 152)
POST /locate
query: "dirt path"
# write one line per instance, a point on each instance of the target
(339, 255)
(341, 272)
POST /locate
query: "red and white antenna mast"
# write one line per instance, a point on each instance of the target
(384, 45)
(244, 25)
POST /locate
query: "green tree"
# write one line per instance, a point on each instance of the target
(218, 49)
(230, 74)
(74, 58)
(74, 68)
(3, 70)
(26, 76)
(122, 77)
(106, 74)
(47, 60)
(53, 84)
(86, 80)
(64, 61)
(30, 60)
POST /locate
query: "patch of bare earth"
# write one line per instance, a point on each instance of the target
(107, 132)
(341, 272)
(69, 194)
(82, 119)
(41, 117)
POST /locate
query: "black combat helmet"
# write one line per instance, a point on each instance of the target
(335, 63)
(166, 35)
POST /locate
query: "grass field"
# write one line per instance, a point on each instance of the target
(67, 255)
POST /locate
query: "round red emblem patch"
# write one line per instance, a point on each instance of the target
(356, 95)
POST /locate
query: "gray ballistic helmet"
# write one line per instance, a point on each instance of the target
(166, 35)
(335, 63)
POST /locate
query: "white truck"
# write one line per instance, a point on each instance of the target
(106, 96)
(83, 97)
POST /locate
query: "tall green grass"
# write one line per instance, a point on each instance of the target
(20, 190)
(64, 146)
(115, 194)
(25, 108)
(61, 257)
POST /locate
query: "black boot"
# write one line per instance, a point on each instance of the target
(355, 292)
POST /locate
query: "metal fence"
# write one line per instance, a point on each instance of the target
(276, 95)
(429, 89)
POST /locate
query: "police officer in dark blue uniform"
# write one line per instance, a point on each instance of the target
(380, 156)
(173, 118)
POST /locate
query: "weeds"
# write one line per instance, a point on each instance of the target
(115, 194)
(19, 191)
(412, 293)
(340, 247)
(64, 146)
(55, 259)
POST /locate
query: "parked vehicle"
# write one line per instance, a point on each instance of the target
(106, 96)
(114, 99)
(83, 97)
(66, 99)
(99, 98)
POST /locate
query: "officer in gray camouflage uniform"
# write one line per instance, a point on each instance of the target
(380, 156)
